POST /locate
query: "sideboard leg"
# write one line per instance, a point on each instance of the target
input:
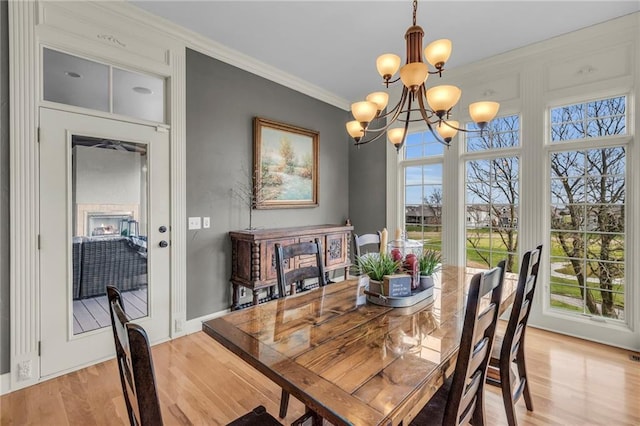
(255, 296)
(235, 300)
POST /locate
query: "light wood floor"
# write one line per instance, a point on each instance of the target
(573, 383)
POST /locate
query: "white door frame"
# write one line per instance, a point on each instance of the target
(113, 34)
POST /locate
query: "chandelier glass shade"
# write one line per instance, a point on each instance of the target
(432, 106)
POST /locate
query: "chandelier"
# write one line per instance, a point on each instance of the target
(435, 112)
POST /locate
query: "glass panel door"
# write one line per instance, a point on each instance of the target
(109, 230)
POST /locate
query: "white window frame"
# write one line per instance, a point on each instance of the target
(490, 154)
(601, 327)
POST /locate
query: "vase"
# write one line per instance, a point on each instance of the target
(426, 281)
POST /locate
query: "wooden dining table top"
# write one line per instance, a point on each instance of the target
(355, 364)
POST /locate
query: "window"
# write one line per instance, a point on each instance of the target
(492, 195)
(423, 189)
(587, 217)
(76, 81)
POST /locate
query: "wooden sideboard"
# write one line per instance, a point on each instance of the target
(253, 256)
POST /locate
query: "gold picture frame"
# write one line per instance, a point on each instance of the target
(285, 165)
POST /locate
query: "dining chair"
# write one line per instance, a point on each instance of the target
(296, 277)
(372, 241)
(460, 399)
(306, 270)
(509, 348)
(135, 365)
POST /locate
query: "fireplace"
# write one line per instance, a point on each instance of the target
(101, 223)
(105, 219)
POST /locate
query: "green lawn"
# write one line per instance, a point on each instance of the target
(487, 244)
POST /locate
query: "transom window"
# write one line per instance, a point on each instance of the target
(595, 119)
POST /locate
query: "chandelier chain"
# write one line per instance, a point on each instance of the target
(415, 10)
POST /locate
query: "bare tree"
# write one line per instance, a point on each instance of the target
(588, 187)
(493, 185)
(433, 202)
(250, 191)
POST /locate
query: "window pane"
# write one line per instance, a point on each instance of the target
(492, 198)
(138, 95)
(501, 132)
(422, 144)
(604, 117)
(75, 81)
(423, 204)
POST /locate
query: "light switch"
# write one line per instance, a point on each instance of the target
(206, 222)
(194, 223)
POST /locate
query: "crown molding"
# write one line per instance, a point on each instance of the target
(223, 53)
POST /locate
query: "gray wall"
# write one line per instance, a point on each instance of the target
(368, 185)
(221, 103)
(4, 189)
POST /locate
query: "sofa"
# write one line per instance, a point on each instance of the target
(102, 261)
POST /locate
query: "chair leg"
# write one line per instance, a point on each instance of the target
(284, 404)
(522, 371)
(507, 393)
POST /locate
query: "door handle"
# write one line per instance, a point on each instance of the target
(162, 229)
(163, 244)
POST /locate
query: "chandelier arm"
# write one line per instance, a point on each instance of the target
(397, 110)
(387, 83)
(458, 128)
(397, 107)
(382, 130)
(424, 116)
(375, 138)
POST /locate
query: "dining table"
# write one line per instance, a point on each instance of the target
(355, 362)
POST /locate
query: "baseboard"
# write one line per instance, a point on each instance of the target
(5, 383)
(195, 325)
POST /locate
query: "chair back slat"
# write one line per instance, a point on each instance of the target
(135, 365)
(484, 321)
(470, 395)
(360, 241)
(465, 401)
(514, 334)
(298, 275)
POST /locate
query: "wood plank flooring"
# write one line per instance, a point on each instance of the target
(201, 383)
(90, 314)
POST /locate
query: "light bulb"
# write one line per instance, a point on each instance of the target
(395, 135)
(438, 52)
(484, 111)
(442, 98)
(379, 98)
(414, 74)
(446, 129)
(387, 65)
(364, 111)
(355, 130)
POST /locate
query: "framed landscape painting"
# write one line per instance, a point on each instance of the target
(285, 165)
